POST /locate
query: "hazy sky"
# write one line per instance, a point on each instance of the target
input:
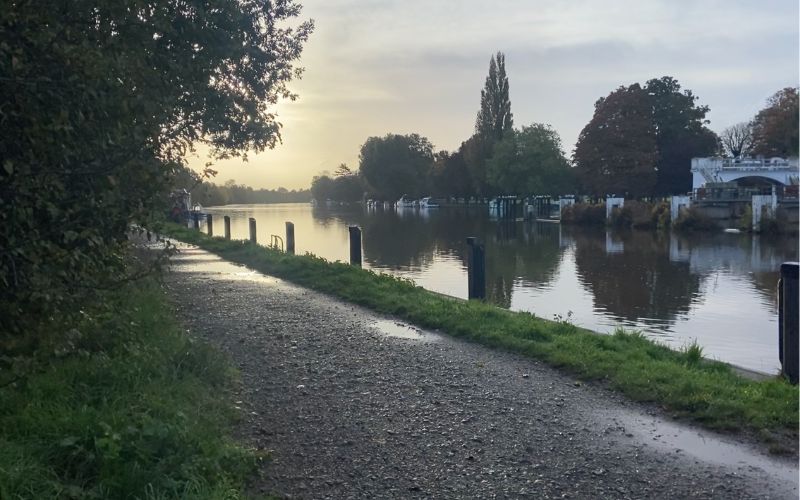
(402, 66)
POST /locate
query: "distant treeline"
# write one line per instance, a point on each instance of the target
(209, 194)
(639, 143)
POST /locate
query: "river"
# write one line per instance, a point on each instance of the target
(717, 289)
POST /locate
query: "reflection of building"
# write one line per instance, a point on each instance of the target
(716, 254)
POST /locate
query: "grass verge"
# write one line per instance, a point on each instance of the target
(704, 391)
(135, 410)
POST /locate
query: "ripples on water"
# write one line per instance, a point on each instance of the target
(719, 289)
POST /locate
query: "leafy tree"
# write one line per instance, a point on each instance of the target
(665, 129)
(737, 140)
(450, 176)
(99, 101)
(617, 151)
(322, 188)
(395, 165)
(346, 188)
(681, 134)
(530, 161)
(495, 118)
(775, 128)
(493, 121)
(342, 170)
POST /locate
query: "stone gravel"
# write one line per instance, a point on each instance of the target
(350, 404)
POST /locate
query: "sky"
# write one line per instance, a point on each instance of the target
(374, 67)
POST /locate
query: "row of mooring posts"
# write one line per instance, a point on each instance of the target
(788, 296)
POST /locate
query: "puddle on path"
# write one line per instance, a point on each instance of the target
(706, 447)
(190, 259)
(401, 330)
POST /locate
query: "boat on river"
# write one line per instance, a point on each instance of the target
(405, 202)
(428, 202)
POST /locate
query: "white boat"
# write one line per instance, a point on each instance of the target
(428, 202)
(404, 202)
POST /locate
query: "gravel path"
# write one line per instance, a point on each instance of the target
(354, 405)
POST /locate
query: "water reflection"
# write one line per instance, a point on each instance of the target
(632, 276)
(716, 288)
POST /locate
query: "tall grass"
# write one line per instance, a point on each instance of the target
(705, 391)
(136, 410)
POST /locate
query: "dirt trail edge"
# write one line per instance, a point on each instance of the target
(354, 405)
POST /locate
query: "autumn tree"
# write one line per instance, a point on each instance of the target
(617, 151)
(395, 164)
(493, 121)
(775, 128)
(650, 132)
(530, 161)
(737, 140)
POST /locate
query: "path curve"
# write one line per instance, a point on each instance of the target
(351, 404)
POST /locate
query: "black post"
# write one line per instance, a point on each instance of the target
(476, 269)
(209, 225)
(289, 238)
(252, 230)
(787, 320)
(355, 245)
(227, 222)
(196, 217)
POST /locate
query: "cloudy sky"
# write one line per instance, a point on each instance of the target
(402, 66)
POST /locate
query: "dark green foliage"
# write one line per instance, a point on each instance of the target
(528, 161)
(347, 188)
(99, 102)
(681, 134)
(450, 175)
(706, 391)
(494, 120)
(137, 411)
(395, 165)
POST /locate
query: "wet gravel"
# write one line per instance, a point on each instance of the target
(350, 407)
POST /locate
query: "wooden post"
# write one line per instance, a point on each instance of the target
(227, 223)
(476, 269)
(289, 238)
(355, 245)
(209, 225)
(787, 320)
(253, 230)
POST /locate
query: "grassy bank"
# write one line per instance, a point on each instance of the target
(684, 384)
(133, 410)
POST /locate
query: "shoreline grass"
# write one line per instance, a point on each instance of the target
(135, 410)
(706, 392)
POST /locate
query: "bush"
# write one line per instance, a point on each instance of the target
(584, 214)
(694, 220)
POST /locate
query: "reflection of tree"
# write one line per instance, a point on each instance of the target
(394, 241)
(640, 282)
(515, 251)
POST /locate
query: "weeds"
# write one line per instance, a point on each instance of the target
(143, 417)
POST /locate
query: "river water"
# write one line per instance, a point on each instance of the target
(718, 289)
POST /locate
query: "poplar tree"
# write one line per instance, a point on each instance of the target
(495, 118)
(493, 121)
